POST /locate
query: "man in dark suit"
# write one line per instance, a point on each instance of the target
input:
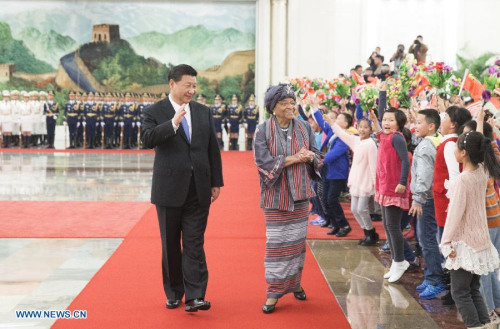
(187, 177)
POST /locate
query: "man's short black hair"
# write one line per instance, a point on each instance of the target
(431, 116)
(178, 71)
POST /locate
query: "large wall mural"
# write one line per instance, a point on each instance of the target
(126, 46)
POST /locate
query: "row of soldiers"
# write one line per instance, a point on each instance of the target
(110, 120)
(231, 117)
(105, 120)
(27, 118)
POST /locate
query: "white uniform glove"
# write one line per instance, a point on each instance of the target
(78, 124)
(102, 123)
(55, 117)
(133, 124)
(229, 125)
(222, 126)
(114, 124)
(121, 124)
(245, 125)
(84, 123)
(138, 124)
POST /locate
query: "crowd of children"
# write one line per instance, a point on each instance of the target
(436, 167)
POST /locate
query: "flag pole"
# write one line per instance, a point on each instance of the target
(463, 82)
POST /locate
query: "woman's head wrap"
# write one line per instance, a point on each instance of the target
(277, 93)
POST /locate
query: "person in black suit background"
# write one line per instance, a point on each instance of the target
(187, 177)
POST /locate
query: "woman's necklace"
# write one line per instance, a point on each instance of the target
(284, 129)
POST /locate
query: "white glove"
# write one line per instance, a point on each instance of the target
(229, 125)
(245, 125)
(78, 124)
(133, 124)
(222, 126)
(121, 124)
(138, 124)
(55, 117)
(84, 123)
(114, 124)
(102, 123)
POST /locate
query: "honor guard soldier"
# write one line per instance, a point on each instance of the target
(218, 114)
(202, 99)
(139, 115)
(90, 114)
(235, 116)
(25, 110)
(118, 125)
(127, 113)
(16, 118)
(6, 118)
(81, 122)
(51, 111)
(108, 113)
(250, 116)
(36, 118)
(71, 113)
(99, 130)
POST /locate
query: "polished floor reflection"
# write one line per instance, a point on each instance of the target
(355, 275)
(46, 274)
(75, 176)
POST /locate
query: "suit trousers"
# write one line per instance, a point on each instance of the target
(184, 269)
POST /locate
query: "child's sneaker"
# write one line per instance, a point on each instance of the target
(385, 247)
(421, 287)
(432, 292)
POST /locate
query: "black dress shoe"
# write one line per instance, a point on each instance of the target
(300, 295)
(173, 303)
(343, 231)
(333, 231)
(197, 304)
(269, 308)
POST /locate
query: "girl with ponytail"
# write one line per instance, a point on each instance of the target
(466, 242)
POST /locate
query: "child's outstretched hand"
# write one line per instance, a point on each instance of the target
(400, 189)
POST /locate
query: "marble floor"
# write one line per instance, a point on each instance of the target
(48, 274)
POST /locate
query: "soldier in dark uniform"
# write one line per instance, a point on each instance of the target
(90, 115)
(250, 116)
(139, 114)
(108, 114)
(202, 99)
(51, 111)
(118, 120)
(81, 122)
(218, 114)
(99, 130)
(235, 116)
(71, 116)
(127, 113)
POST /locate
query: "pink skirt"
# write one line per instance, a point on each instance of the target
(386, 201)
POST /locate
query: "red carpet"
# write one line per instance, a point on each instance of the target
(319, 233)
(40, 219)
(74, 151)
(127, 291)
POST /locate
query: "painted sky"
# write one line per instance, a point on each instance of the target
(75, 18)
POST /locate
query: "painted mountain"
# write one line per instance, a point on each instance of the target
(184, 46)
(48, 47)
(14, 51)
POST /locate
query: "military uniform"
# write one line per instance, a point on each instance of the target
(71, 116)
(90, 116)
(6, 118)
(118, 126)
(218, 114)
(140, 115)
(108, 113)
(81, 119)
(234, 119)
(250, 117)
(51, 111)
(127, 113)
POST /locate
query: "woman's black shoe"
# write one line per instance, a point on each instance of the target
(300, 295)
(269, 308)
(333, 231)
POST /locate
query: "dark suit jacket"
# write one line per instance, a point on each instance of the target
(176, 159)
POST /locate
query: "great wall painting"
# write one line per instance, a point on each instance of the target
(112, 46)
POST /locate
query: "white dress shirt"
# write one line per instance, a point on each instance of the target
(187, 115)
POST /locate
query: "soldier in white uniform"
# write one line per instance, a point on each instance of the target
(36, 113)
(16, 118)
(26, 113)
(6, 118)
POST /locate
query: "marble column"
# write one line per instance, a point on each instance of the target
(262, 53)
(279, 42)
